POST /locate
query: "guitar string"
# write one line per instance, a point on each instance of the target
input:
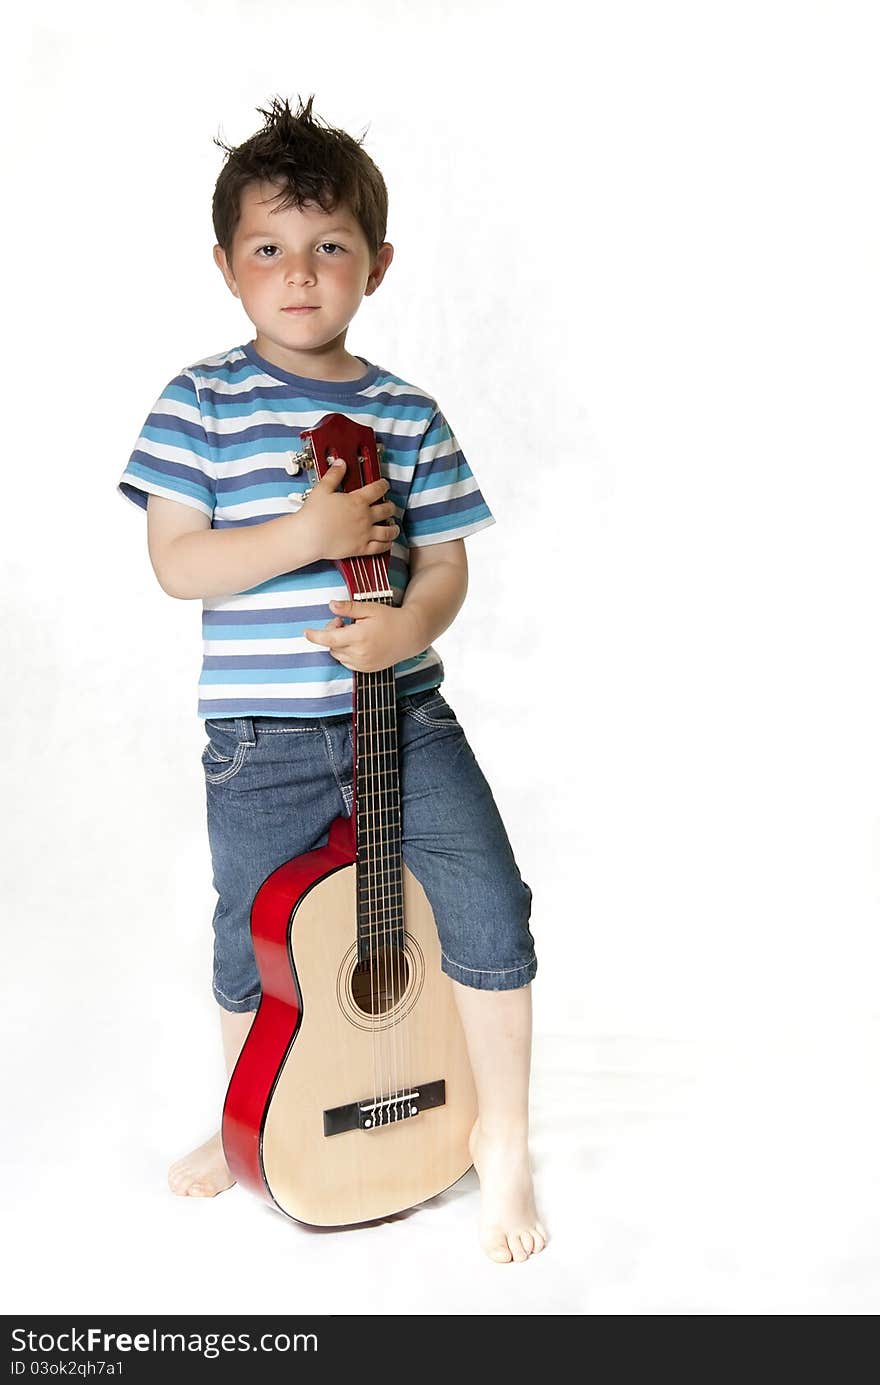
(409, 1075)
(383, 806)
(380, 699)
(390, 812)
(361, 871)
(379, 680)
(379, 736)
(384, 854)
(394, 884)
(376, 892)
(364, 905)
(369, 688)
(363, 881)
(361, 712)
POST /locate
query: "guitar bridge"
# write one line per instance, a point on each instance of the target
(373, 1112)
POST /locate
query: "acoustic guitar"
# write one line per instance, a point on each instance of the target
(352, 1097)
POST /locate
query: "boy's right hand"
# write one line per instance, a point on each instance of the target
(344, 525)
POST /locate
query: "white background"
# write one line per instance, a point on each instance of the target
(636, 263)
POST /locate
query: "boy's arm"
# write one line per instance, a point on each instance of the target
(380, 635)
(437, 587)
(191, 559)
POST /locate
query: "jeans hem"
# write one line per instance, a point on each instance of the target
(487, 980)
(237, 1007)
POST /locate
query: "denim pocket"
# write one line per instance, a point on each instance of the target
(431, 709)
(222, 757)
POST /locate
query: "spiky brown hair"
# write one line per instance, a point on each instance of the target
(311, 162)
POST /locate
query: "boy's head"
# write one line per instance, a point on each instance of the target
(300, 213)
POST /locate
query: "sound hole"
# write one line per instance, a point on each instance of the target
(378, 983)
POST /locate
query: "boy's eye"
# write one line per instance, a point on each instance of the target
(327, 244)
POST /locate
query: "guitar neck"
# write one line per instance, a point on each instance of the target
(376, 808)
(377, 811)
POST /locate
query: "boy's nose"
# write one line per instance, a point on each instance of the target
(300, 273)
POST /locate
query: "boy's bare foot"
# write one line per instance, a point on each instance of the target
(203, 1173)
(509, 1226)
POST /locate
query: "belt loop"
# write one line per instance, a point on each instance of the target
(244, 730)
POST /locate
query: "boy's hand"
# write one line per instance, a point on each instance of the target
(344, 525)
(380, 636)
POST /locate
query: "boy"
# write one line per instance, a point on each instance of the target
(300, 215)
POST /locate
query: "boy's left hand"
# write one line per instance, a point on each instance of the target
(380, 636)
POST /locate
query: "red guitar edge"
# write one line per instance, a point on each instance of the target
(280, 1009)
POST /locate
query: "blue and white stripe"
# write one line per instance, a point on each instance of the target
(217, 439)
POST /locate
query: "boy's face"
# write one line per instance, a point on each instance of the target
(282, 259)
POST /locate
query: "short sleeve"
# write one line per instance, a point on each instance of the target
(172, 456)
(444, 500)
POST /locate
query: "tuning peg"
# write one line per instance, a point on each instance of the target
(296, 461)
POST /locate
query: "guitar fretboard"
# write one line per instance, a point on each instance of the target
(377, 807)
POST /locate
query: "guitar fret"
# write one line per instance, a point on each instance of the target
(377, 793)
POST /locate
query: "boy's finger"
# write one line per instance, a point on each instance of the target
(322, 636)
(334, 475)
(356, 609)
(377, 488)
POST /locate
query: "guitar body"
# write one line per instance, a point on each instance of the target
(352, 1097)
(312, 1049)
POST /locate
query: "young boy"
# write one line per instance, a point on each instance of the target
(300, 214)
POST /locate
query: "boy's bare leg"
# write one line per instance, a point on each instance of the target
(498, 1030)
(205, 1172)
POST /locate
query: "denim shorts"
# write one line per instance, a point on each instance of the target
(274, 787)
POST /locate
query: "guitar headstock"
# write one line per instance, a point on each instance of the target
(355, 443)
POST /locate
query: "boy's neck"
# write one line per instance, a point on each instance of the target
(331, 363)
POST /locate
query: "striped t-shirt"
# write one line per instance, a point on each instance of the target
(218, 438)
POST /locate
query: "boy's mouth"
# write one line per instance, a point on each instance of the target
(306, 308)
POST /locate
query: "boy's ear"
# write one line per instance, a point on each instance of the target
(220, 261)
(379, 266)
